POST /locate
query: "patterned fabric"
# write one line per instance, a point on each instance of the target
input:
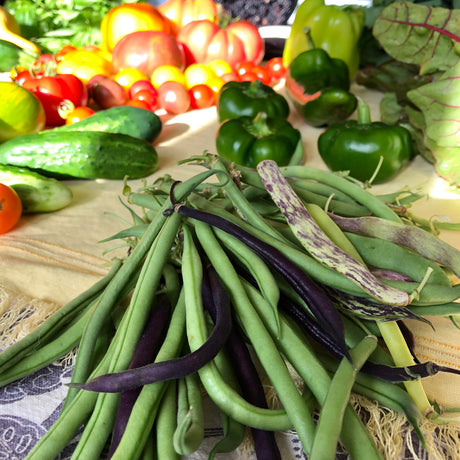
(260, 13)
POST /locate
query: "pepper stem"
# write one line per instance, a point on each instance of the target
(258, 126)
(364, 114)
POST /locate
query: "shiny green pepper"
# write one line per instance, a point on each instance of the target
(247, 99)
(247, 140)
(336, 29)
(318, 87)
(365, 148)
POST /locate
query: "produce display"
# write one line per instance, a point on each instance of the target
(272, 288)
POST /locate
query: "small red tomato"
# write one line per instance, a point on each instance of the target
(275, 67)
(147, 96)
(244, 67)
(249, 76)
(140, 104)
(10, 208)
(262, 74)
(173, 97)
(232, 76)
(201, 97)
(78, 114)
(141, 85)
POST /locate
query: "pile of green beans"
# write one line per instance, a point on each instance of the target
(173, 248)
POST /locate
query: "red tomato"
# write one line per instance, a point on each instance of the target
(21, 76)
(249, 76)
(262, 74)
(146, 50)
(275, 67)
(10, 208)
(55, 91)
(204, 41)
(78, 114)
(147, 96)
(140, 86)
(173, 97)
(245, 66)
(140, 104)
(201, 96)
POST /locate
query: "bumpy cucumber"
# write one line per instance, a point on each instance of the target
(37, 193)
(81, 154)
(133, 121)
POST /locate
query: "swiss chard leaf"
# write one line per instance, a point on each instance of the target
(419, 34)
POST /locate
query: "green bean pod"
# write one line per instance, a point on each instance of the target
(264, 346)
(332, 410)
(189, 433)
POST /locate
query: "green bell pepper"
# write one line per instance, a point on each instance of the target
(247, 99)
(318, 86)
(247, 140)
(366, 148)
(336, 29)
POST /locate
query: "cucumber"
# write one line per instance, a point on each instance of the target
(37, 193)
(134, 121)
(81, 154)
(9, 55)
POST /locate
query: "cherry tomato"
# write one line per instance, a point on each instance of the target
(10, 208)
(173, 97)
(220, 67)
(196, 74)
(54, 91)
(78, 114)
(244, 67)
(249, 76)
(232, 76)
(275, 67)
(262, 74)
(128, 76)
(201, 96)
(148, 97)
(141, 85)
(165, 73)
(140, 104)
(44, 64)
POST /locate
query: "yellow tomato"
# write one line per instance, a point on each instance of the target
(215, 83)
(166, 73)
(127, 18)
(198, 74)
(220, 67)
(126, 77)
(84, 64)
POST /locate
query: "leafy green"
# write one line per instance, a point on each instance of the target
(421, 79)
(52, 24)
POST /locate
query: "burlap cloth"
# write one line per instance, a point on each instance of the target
(48, 259)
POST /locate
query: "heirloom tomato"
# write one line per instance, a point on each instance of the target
(21, 112)
(128, 18)
(84, 63)
(181, 12)
(10, 208)
(147, 50)
(205, 41)
(55, 92)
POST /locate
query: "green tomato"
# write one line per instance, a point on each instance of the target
(20, 112)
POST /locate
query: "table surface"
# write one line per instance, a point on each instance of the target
(53, 257)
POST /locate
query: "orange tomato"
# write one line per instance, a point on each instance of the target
(10, 208)
(131, 17)
(78, 114)
(181, 12)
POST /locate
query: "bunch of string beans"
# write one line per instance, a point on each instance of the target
(273, 269)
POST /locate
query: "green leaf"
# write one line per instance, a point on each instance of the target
(440, 103)
(419, 34)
